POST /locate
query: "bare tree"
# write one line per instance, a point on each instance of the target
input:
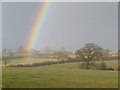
(62, 49)
(5, 50)
(47, 49)
(7, 57)
(34, 53)
(20, 49)
(60, 55)
(89, 54)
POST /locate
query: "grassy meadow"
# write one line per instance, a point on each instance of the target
(67, 75)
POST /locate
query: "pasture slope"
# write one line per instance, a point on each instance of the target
(67, 75)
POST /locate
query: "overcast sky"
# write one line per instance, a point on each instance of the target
(0, 27)
(67, 24)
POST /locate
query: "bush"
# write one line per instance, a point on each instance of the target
(110, 68)
(85, 66)
(118, 68)
(102, 66)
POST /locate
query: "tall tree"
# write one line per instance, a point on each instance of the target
(62, 49)
(60, 55)
(47, 49)
(5, 50)
(20, 49)
(34, 53)
(7, 57)
(89, 54)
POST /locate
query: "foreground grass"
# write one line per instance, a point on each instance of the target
(58, 76)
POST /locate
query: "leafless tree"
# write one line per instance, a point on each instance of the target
(89, 54)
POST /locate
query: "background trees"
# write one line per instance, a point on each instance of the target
(60, 55)
(62, 49)
(47, 49)
(7, 56)
(20, 49)
(89, 54)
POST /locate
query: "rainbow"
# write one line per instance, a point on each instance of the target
(37, 27)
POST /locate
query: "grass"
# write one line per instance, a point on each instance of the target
(66, 75)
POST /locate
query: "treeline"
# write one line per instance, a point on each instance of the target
(69, 60)
(88, 55)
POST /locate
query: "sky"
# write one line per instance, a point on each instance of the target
(67, 24)
(0, 27)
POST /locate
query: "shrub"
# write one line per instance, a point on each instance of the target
(85, 66)
(110, 68)
(118, 68)
(102, 66)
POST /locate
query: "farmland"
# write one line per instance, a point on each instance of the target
(53, 44)
(67, 75)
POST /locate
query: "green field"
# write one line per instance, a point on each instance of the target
(66, 75)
